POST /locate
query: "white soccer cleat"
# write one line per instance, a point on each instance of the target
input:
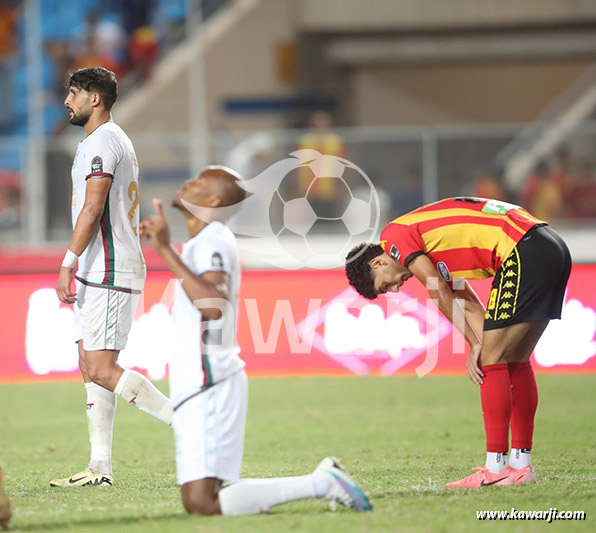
(85, 478)
(344, 489)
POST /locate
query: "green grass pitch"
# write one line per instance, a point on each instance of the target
(402, 437)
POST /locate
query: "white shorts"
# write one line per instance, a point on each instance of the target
(209, 431)
(103, 317)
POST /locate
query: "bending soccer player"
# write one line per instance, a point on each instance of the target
(452, 240)
(111, 272)
(208, 385)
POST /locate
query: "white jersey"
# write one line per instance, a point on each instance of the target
(113, 258)
(205, 351)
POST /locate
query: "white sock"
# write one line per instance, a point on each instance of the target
(138, 390)
(520, 458)
(101, 407)
(253, 496)
(495, 462)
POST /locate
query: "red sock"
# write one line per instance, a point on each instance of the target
(525, 401)
(495, 397)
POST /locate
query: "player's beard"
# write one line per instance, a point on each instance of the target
(81, 118)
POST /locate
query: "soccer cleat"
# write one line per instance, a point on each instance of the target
(83, 479)
(483, 477)
(344, 489)
(5, 511)
(522, 475)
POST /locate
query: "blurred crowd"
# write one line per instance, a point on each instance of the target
(126, 36)
(564, 189)
(8, 20)
(124, 40)
(561, 189)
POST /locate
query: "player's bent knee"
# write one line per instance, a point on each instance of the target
(196, 504)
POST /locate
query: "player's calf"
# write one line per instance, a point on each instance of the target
(329, 481)
(137, 390)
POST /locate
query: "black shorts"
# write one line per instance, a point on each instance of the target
(530, 284)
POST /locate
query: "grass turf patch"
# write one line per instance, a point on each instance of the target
(401, 437)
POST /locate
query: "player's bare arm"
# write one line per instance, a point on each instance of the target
(446, 301)
(86, 226)
(210, 285)
(475, 309)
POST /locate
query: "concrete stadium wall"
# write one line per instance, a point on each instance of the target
(458, 93)
(240, 46)
(400, 15)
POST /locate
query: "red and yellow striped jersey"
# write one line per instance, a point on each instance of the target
(463, 237)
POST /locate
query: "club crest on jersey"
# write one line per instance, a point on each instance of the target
(216, 261)
(96, 164)
(443, 271)
(394, 252)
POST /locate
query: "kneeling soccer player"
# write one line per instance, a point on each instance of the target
(475, 238)
(209, 388)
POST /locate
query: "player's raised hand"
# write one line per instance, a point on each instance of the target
(155, 228)
(158, 206)
(63, 286)
(474, 372)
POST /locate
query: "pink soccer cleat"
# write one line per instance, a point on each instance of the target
(521, 475)
(483, 477)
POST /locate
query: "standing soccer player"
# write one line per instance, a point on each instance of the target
(445, 243)
(208, 384)
(111, 272)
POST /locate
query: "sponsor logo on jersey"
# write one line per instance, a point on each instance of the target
(96, 164)
(443, 271)
(394, 252)
(497, 207)
(216, 260)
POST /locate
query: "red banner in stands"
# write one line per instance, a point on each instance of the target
(290, 323)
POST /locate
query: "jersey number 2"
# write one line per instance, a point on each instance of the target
(133, 194)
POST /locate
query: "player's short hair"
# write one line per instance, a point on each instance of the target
(99, 80)
(358, 270)
(231, 187)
